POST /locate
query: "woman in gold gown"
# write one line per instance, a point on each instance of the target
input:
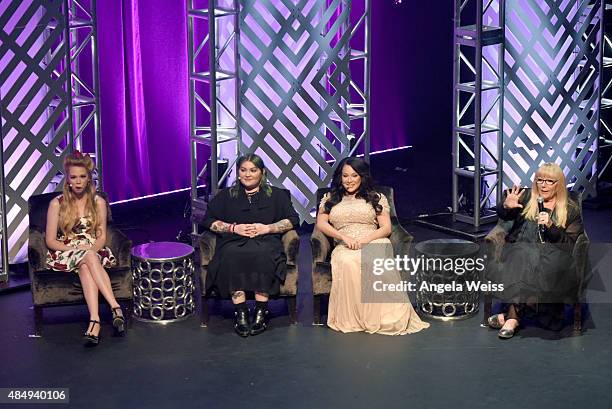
(354, 214)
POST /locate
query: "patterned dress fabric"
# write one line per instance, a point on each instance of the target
(70, 260)
(347, 313)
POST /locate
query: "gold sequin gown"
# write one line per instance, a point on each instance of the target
(347, 313)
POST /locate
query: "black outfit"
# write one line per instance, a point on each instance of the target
(538, 266)
(242, 263)
(564, 237)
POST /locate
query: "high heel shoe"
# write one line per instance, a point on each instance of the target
(118, 321)
(90, 339)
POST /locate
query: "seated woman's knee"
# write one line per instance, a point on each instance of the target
(91, 257)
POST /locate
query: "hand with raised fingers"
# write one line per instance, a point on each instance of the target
(513, 199)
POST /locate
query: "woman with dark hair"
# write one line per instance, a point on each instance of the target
(76, 235)
(354, 214)
(536, 263)
(249, 219)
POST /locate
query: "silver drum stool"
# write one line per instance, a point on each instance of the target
(453, 304)
(163, 281)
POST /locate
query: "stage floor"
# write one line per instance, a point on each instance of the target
(451, 365)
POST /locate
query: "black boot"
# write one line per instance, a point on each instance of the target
(242, 322)
(260, 320)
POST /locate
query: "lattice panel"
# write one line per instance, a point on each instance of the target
(552, 65)
(35, 106)
(295, 90)
(604, 167)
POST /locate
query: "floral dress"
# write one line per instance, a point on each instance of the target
(70, 260)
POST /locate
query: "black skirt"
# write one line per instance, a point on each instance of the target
(256, 265)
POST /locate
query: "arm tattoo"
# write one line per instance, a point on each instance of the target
(220, 227)
(281, 226)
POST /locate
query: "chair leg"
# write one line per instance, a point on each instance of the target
(129, 309)
(316, 309)
(488, 301)
(205, 313)
(292, 307)
(38, 322)
(578, 317)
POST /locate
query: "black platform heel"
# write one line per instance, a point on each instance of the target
(118, 322)
(90, 339)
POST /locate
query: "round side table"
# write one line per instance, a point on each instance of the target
(163, 281)
(460, 301)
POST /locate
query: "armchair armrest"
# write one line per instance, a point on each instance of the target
(401, 240)
(495, 241)
(320, 246)
(291, 245)
(581, 258)
(37, 252)
(208, 242)
(120, 245)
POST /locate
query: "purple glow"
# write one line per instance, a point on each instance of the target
(143, 96)
(140, 152)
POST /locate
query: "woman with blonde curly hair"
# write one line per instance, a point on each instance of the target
(537, 268)
(76, 235)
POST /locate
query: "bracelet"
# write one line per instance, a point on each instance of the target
(232, 227)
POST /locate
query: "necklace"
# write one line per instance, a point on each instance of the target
(250, 195)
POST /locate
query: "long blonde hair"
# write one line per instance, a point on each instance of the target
(552, 171)
(68, 214)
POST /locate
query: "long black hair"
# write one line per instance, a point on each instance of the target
(366, 189)
(259, 163)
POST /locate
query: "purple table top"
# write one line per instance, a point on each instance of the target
(162, 250)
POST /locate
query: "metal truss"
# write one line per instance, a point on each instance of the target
(4, 267)
(478, 108)
(84, 80)
(290, 99)
(214, 105)
(49, 106)
(536, 68)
